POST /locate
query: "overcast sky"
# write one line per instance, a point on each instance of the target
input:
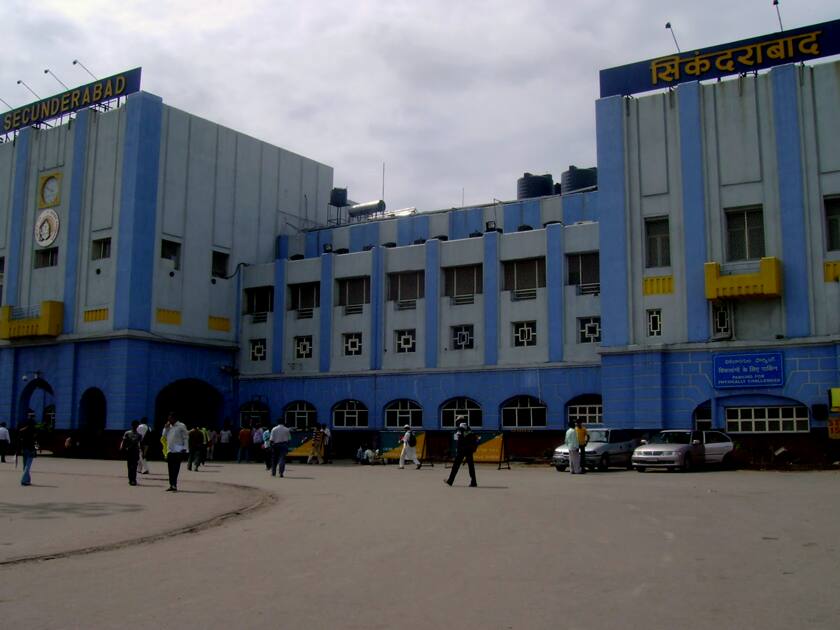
(451, 95)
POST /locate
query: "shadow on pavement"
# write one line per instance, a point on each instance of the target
(57, 509)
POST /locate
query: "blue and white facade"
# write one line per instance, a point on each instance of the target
(698, 285)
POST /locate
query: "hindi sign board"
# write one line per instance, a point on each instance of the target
(754, 369)
(746, 55)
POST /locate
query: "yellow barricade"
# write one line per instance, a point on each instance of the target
(394, 453)
(490, 452)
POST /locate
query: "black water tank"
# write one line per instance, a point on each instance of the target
(578, 178)
(338, 197)
(529, 186)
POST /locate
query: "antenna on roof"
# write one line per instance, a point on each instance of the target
(670, 28)
(778, 14)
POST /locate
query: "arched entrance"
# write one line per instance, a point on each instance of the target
(196, 403)
(93, 417)
(93, 411)
(254, 414)
(37, 403)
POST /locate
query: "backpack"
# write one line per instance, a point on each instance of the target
(412, 439)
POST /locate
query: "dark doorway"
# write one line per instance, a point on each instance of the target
(196, 402)
(37, 403)
(93, 417)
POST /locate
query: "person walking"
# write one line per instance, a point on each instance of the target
(244, 445)
(212, 439)
(145, 439)
(317, 446)
(279, 440)
(176, 436)
(257, 443)
(130, 445)
(409, 448)
(583, 440)
(225, 436)
(327, 444)
(574, 449)
(5, 442)
(195, 441)
(465, 444)
(26, 443)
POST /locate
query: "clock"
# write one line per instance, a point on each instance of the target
(49, 190)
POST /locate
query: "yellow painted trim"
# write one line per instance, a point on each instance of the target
(766, 283)
(49, 322)
(96, 315)
(658, 285)
(42, 179)
(832, 271)
(222, 324)
(166, 316)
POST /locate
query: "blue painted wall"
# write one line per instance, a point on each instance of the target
(694, 211)
(136, 243)
(410, 229)
(580, 207)
(556, 273)
(464, 222)
(325, 334)
(525, 212)
(785, 81)
(363, 235)
(612, 228)
(432, 299)
(23, 145)
(74, 217)
(490, 271)
(377, 305)
(315, 242)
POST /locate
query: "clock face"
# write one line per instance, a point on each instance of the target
(50, 190)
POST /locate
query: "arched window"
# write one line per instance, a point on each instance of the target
(300, 415)
(524, 411)
(703, 416)
(455, 407)
(350, 413)
(398, 413)
(588, 408)
(254, 414)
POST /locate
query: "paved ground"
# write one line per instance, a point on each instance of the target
(377, 547)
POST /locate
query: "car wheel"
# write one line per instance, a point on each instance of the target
(560, 468)
(604, 463)
(687, 463)
(640, 469)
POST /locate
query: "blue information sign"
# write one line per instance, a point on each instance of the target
(746, 55)
(754, 369)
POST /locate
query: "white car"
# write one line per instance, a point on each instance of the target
(684, 450)
(606, 447)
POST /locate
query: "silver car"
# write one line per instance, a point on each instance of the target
(606, 447)
(683, 450)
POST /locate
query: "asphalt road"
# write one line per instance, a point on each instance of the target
(343, 546)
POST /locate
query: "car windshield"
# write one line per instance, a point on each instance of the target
(598, 435)
(674, 437)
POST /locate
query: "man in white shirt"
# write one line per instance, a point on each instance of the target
(225, 436)
(279, 440)
(176, 436)
(142, 464)
(5, 442)
(409, 449)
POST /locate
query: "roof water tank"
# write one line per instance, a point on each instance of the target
(529, 186)
(578, 178)
(338, 197)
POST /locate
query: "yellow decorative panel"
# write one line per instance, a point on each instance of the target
(222, 324)
(44, 321)
(96, 315)
(766, 283)
(658, 285)
(832, 271)
(166, 316)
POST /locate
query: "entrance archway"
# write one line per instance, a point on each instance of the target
(93, 411)
(37, 403)
(196, 403)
